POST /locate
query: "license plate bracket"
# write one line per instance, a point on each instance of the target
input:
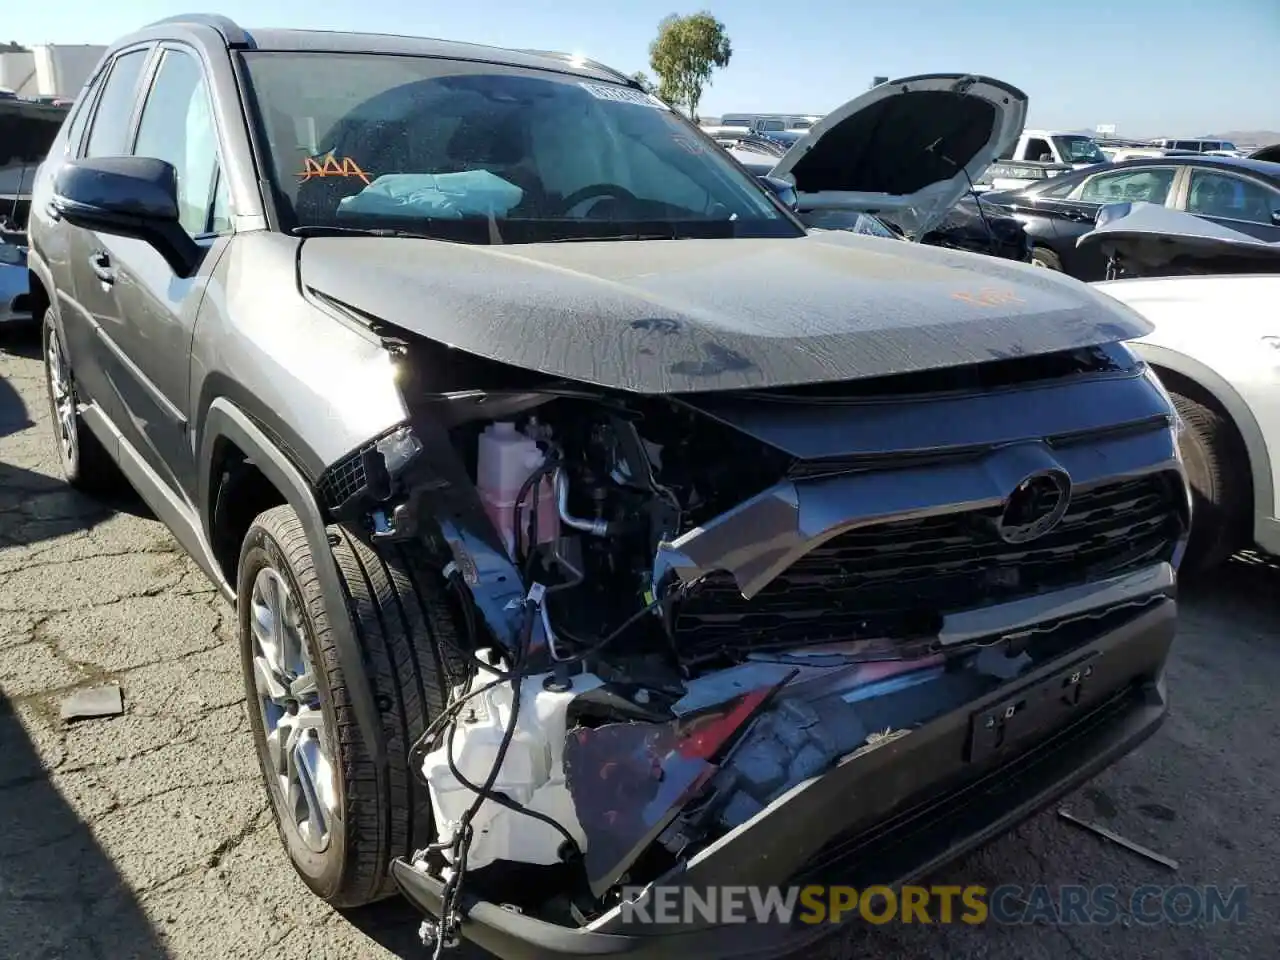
(1026, 711)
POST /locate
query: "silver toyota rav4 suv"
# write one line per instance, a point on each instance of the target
(595, 527)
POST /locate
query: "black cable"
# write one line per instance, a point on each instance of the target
(595, 646)
(977, 200)
(501, 798)
(455, 582)
(548, 466)
(423, 744)
(463, 835)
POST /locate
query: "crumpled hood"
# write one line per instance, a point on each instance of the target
(685, 316)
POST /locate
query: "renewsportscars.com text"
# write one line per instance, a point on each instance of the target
(942, 904)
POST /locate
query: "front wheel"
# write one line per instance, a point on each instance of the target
(1217, 466)
(1044, 257)
(342, 817)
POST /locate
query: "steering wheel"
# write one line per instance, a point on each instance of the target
(596, 191)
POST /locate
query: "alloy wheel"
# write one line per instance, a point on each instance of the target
(299, 747)
(62, 397)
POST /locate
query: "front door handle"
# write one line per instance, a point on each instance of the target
(100, 263)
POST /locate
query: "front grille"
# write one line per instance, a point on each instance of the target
(899, 578)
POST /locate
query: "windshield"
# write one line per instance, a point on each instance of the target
(480, 153)
(1079, 150)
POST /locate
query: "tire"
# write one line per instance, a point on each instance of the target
(1044, 257)
(85, 462)
(407, 631)
(1217, 466)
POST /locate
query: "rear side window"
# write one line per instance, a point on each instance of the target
(1149, 185)
(1058, 190)
(1221, 195)
(110, 134)
(80, 116)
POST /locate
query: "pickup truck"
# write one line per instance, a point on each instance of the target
(1038, 155)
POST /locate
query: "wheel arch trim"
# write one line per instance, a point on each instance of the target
(226, 421)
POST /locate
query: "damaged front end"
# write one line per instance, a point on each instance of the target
(759, 637)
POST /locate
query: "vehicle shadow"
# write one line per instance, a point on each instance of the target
(60, 895)
(21, 340)
(393, 924)
(1242, 589)
(38, 506)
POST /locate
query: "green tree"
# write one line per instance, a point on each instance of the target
(684, 54)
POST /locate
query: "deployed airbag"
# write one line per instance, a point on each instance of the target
(439, 196)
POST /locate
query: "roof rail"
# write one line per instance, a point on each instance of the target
(231, 32)
(583, 61)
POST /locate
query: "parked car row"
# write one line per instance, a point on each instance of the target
(1242, 194)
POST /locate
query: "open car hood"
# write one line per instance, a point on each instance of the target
(907, 149)
(1148, 239)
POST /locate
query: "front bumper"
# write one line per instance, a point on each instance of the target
(934, 795)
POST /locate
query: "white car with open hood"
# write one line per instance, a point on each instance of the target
(906, 150)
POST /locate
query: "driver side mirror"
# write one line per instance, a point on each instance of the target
(782, 191)
(1275, 217)
(127, 197)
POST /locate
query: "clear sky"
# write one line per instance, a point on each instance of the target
(1152, 67)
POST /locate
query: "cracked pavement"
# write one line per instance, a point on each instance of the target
(148, 836)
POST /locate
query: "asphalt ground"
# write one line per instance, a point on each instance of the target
(147, 835)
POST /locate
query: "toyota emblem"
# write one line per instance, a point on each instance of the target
(1035, 507)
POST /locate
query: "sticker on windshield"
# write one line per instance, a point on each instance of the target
(327, 165)
(604, 91)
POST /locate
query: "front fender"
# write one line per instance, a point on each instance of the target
(225, 421)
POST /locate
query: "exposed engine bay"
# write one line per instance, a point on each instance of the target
(677, 611)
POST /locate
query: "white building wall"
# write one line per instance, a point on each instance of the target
(49, 70)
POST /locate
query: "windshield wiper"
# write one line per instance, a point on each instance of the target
(324, 230)
(619, 236)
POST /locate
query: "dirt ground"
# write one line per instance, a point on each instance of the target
(147, 835)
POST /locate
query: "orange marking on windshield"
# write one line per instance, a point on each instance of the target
(331, 167)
